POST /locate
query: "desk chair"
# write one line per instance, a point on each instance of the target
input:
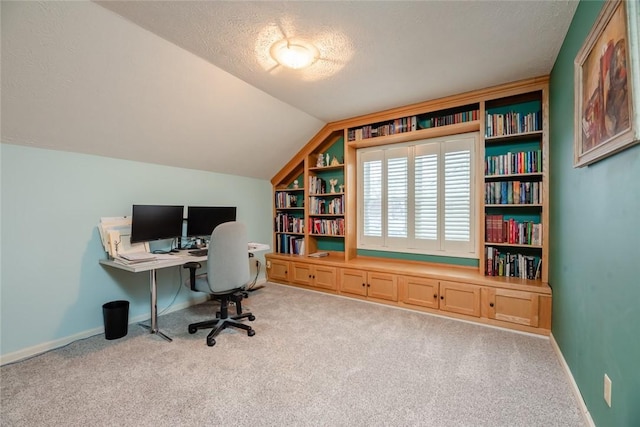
(225, 279)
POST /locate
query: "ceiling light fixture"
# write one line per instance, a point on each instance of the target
(294, 54)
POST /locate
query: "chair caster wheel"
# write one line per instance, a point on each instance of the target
(251, 318)
(211, 342)
(251, 332)
(192, 330)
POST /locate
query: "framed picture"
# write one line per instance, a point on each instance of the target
(606, 85)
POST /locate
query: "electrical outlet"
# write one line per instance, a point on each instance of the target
(607, 390)
(268, 264)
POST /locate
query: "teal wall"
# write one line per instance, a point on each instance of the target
(52, 286)
(594, 252)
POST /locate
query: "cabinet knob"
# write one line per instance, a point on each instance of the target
(441, 296)
(490, 304)
(368, 285)
(363, 285)
(435, 296)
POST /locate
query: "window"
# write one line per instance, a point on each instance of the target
(418, 197)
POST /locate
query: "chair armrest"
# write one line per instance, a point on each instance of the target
(192, 266)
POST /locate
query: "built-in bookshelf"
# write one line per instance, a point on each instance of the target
(512, 185)
(325, 196)
(309, 200)
(515, 214)
(504, 282)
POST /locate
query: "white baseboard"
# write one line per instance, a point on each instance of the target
(576, 391)
(50, 345)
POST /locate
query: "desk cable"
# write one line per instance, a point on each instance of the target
(252, 284)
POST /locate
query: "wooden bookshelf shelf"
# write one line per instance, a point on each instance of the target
(513, 137)
(434, 132)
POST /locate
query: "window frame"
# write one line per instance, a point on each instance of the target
(438, 247)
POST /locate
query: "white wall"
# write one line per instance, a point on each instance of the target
(51, 284)
(79, 78)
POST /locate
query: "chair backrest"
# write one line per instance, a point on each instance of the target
(228, 259)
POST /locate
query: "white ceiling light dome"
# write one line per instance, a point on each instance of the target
(292, 53)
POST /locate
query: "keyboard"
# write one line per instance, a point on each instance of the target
(199, 252)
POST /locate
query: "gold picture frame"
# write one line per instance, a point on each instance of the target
(606, 82)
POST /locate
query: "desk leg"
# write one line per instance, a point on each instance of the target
(154, 307)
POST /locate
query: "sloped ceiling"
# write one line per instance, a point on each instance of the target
(190, 83)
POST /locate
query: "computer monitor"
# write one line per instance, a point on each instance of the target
(201, 220)
(156, 222)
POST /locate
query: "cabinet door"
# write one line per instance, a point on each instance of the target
(383, 286)
(325, 277)
(279, 270)
(301, 273)
(353, 281)
(460, 298)
(419, 291)
(513, 306)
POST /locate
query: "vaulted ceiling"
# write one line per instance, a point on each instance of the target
(191, 83)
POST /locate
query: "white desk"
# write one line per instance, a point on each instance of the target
(174, 260)
(178, 259)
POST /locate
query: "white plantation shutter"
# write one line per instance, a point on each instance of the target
(418, 197)
(458, 195)
(370, 212)
(397, 193)
(426, 194)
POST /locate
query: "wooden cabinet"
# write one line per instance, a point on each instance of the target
(460, 298)
(318, 276)
(353, 282)
(467, 296)
(419, 291)
(278, 270)
(511, 306)
(369, 284)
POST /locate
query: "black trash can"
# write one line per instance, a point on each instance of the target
(116, 319)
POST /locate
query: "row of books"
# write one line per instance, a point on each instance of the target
(451, 119)
(512, 265)
(404, 124)
(328, 227)
(513, 123)
(512, 193)
(287, 244)
(499, 229)
(317, 185)
(288, 200)
(513, 163)
(319, 206)
(285, 223)
(408, 124)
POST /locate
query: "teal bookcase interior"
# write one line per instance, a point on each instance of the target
(330, 243)
(467, 262)
(494, 148)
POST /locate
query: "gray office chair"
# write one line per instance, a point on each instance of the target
(226, 277)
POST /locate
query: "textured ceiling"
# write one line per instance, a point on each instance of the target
(373, 55)
(190, 83)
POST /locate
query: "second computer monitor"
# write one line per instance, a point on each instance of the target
(201, 220)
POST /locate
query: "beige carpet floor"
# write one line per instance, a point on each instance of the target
(316, 360)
